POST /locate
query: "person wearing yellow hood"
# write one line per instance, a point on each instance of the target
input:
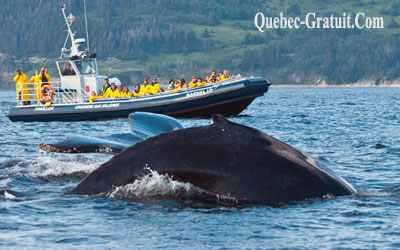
(22, 88)
(35, 79)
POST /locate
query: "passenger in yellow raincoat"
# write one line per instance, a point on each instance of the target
(145, 87)
(180, 85)
(171, 85)
(200, 82)
(35, 79)
(100, 95)
(177, 86)
(22, 88)
(226, 74)
(118, 93)
(193, 83)
(111, 92)
(214, 78)
(44, 78)
(93, 96)
(154, 87)
(125, 92)
(46, 71)
(136, 92)
(221, 76)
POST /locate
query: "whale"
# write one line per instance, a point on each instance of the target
(142, 126)
(225, 159)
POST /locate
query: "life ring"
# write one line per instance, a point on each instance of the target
(50, 93)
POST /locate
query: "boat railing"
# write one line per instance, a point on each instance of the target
(31, 94)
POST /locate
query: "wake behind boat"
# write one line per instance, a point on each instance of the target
(69, 98)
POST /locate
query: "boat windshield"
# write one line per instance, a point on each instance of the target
(86, 66)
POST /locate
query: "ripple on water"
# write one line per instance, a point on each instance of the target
(352, 131)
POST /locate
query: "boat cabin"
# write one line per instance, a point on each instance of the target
(80, 75)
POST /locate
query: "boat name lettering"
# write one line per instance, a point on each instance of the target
(197, 93)
(43, 109)
(97, 106)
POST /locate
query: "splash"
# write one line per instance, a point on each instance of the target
(49, 168)
(155, 186)
(6, 195)
(152, 185)
(377, 194)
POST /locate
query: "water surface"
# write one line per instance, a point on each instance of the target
(353, 131)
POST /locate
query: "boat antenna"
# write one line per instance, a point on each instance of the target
(87, 33)
(69, 20)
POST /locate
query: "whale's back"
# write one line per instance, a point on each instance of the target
(224, 158)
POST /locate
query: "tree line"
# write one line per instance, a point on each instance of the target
(137, 30)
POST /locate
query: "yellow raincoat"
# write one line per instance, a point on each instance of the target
(192, 84)
(47, 76)
(92, 98)
(22, 87)
(135, 94)
(200, 84)
(154, 88)
(35, 79)
(144, 89)
(119, 94)
(110, 93)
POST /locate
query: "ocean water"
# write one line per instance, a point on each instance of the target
(353, 131)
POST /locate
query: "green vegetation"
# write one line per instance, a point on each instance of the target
(173, 38)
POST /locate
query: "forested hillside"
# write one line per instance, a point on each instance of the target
(173, 38)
